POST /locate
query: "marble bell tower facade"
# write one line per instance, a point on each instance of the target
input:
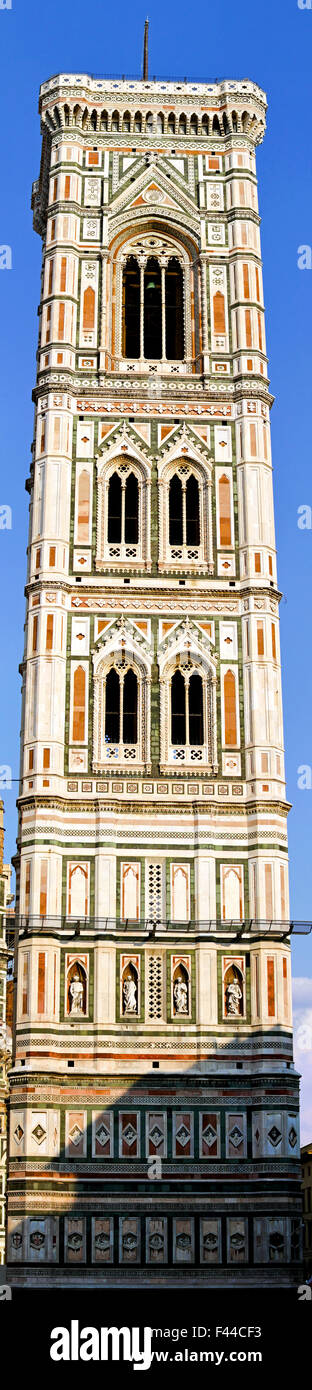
(154, 1129)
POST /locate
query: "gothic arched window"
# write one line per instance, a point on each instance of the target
(131, 309)
(174, 311)
(114, 510)
(175, 511)
(178, 724)
(112, 707)
(192, 511)
(184, 514)
(196, 711)
(182, 124)
(131, 510)
(153, 308)
(121, 706)
(123, 510)
(187, 709)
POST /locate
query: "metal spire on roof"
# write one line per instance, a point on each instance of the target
(145, 52)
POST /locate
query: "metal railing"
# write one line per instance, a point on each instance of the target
(71, 926)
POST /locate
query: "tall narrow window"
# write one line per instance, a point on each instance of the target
(175, 511)
(174, 310)
(230, 729)
(271, 986)
(79, 705)
(248, 328)
(67, 186)
(41, 980)
(152, 310)
(130, 702)
(192, 511)
(131, 309)
(114, 510)
(50, 276)
(27, 885)
(112, 710)
(49, 634)
(246, 282)
(219, 312)
(178, 720)
(196, 713)
(83, 507)
(225, 511)
(131, 511)
(89, 308)
(63, 275)
(25, 983)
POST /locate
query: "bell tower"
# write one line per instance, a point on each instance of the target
(154, 1103)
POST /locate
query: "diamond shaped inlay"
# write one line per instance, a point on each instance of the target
(156, 1136)
(39, 1134)
(236, 1137)
(292, 1137)
(274, 1136)
(209, 1135)
(129, 1135)
(18, 1133)
(102, 1135)
(183, 1135)
(75, 1134)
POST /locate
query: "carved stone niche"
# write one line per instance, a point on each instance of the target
(76, 991)
(233, 989)
(130, 987)
(181, 997)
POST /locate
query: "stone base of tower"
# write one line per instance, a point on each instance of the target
(157, 1181)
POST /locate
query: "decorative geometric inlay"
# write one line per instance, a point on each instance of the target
(210, 1241)
(209, 1135)
(130, 1241)
(102, 1135)
(39, 1134)
(75, 1240)
(236, 1137)
(183, 1135)
(274, 1136)
(18, 1133)
(156, 1136)
(292, 1137)
(75, 1134)
(184, 1241)
(237, 1240)
(129, 1134)
(102, 1241)
(156, 1242)
(257, 1135)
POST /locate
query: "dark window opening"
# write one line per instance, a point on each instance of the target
(174, 311)
(178, 722)
(175, 512)
(196, 714)
(171, 122)
(131, 309)
(114, 510)
(130, 704)
(112, 711)
(182, 125)
(131, 511)
(194, 125)
(152, 310)
(192, 511)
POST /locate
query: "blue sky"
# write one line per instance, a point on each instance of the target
(271, 43)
